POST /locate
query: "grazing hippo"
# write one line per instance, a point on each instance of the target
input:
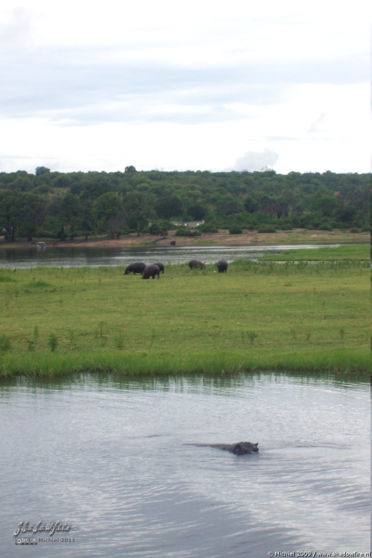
(160, 266)
(222, 266)
(150, 271)
(136, 267)
(195, 264)
(240, 448)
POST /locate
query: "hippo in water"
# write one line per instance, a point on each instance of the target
(136, 267)
(150, 271)
(240, 448)
(195, 264)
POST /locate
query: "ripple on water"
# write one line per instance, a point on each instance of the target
(114, 460)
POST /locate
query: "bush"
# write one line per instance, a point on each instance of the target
(5, 344)
(52, 342)
(160, 227)
(250, 226)
(209, 228)
(235, 230)
(266, 228)
(183, 231)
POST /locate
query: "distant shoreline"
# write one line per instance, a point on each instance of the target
(222, 238)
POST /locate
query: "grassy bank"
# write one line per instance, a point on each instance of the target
(353, 252)
(257, 316)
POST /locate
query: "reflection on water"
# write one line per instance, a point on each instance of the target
(111, 456)
(66, 257)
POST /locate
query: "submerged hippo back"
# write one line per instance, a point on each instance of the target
(240, 448)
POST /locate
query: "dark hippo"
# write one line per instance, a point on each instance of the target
(136, 267)
(150, 271)
(240, 448)
(222, 266)
(160, 266)
(195, 264)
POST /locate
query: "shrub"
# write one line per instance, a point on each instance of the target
(52, 342)
(160, 227)
(266, 228)
(209, 228)
(5, 344)
(183, 231)
(235, 230)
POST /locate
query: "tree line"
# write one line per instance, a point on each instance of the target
(63, 206)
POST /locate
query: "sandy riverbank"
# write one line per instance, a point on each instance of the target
(222, 238)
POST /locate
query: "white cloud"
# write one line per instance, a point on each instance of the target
(257, 160)
(192, 84)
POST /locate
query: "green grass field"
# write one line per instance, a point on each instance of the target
(262, 316)
(346, 252)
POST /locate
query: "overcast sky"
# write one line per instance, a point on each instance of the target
(185, 85)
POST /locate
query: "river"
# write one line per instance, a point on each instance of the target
(112, 460)
(67, 257)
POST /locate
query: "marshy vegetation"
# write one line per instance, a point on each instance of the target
(257, 316)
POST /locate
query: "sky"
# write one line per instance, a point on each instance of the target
(185, 85)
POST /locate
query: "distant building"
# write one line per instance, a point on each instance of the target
(189, 224)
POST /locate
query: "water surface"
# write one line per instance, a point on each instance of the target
(67, 257)
(112, 458)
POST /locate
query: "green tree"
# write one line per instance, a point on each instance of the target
(71, 210)
(229, 205)
(32, 209)
(9, 214)
(55, 218)
(197, 211)
(109, 214)
(251, 203)
(41, 170)
(86, 218)
(169, 205)
(138, 210)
